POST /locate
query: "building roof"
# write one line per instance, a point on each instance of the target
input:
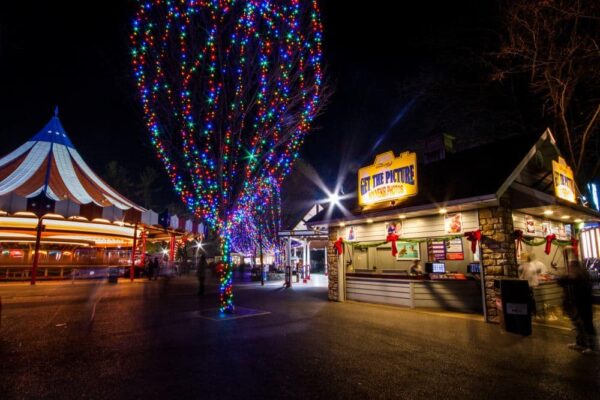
(474, 173)
(49, 164)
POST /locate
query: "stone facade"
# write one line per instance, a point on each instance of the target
(332, 266)
(498, 250)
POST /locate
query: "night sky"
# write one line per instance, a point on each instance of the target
(380, 57)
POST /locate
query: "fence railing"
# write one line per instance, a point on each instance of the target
(58, 272)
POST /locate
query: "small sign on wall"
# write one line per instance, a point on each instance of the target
(408, 251)
(350, 235)
(454, 249)
(394, 227)
(529, 225)
(453, 223)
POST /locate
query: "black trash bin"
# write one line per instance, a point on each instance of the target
(513, 304)
(113, 275)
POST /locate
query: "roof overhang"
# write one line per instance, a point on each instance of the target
(534, 202)
(457, 205)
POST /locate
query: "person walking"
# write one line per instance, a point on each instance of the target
(151, 267)
(578, 306)
(201, 273)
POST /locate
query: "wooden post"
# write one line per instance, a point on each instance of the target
(132, 269)
(36, 254)
(143, 248)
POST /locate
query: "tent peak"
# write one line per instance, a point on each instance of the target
(53, 132)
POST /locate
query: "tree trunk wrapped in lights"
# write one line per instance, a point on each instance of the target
(229, 90)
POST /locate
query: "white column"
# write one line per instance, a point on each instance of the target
(289, 251)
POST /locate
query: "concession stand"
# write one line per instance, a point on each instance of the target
(438, 234)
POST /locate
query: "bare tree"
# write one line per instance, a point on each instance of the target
(555, 45)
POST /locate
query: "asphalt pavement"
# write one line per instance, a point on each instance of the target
(159, 340)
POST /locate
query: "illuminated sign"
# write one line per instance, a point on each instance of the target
(564, 184)
(389, 178)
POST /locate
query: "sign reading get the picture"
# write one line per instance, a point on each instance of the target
(389, 178)
(564, 184)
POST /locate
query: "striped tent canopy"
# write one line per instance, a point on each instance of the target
(49, 164)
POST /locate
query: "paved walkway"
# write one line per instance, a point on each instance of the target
(150, 340)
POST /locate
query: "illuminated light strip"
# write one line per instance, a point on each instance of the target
(586, 245)
(16, 153)
(62, 225)
(28, 167)
(49, 193)
(115, 198)
(593, 240)
(47, 242)
(67, 173)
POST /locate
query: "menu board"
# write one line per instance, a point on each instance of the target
(437, 249)
(446, 250)
(454, 249)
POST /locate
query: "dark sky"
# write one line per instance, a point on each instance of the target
(376, 53)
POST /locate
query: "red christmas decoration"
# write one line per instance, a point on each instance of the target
(339, 245)
(549, 240)
(473, 237)
(392, 237)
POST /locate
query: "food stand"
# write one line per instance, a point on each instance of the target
(467, 226)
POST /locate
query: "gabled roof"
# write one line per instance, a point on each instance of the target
(49, 164)
(297, 221)
(477, 174)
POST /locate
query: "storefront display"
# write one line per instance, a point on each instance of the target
(466, 233)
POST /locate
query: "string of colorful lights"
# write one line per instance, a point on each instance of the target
(229, 90)
(260, 230)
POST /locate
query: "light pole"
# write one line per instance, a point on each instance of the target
(36, 254)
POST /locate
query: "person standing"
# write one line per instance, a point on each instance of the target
(151, 268)
(578, 306)
(201, 273)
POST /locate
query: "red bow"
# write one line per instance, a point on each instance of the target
(338, 245)
(549, 240)
(392, 237)
(518, 235)
(575, 244)
(473, 237)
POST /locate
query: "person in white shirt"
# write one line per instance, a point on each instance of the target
(531, 271)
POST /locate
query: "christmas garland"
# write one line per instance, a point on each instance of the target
(548, 241)
(366, 245)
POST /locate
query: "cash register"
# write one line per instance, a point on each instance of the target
(435, 268)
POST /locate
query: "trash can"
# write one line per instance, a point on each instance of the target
(512, 302)
(113, 275)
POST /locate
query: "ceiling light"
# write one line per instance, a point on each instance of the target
(548, 212)
(370, 221)
(442, 211)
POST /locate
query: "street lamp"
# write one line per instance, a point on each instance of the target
(334, 199)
